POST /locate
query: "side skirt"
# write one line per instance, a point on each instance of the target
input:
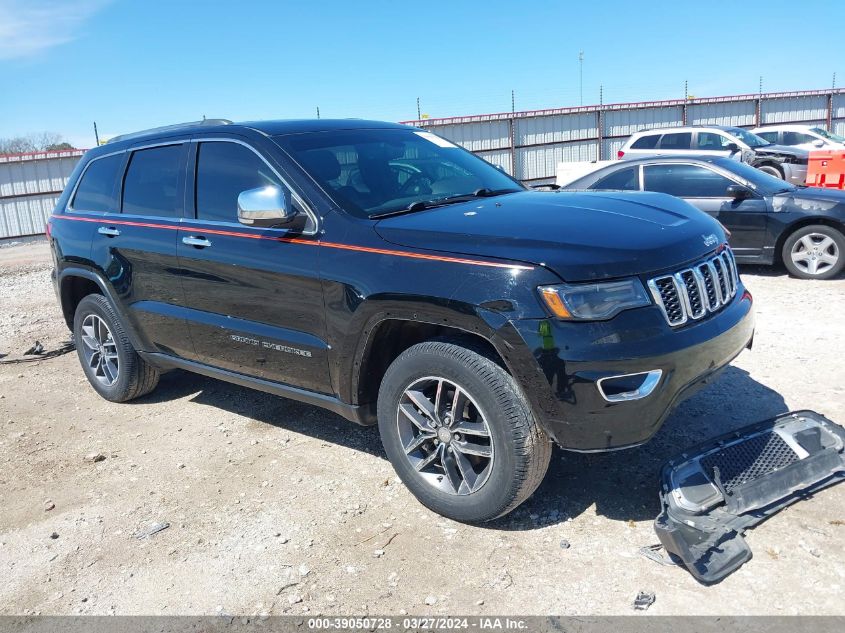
(360, 414)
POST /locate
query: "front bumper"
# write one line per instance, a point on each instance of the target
(564, 361)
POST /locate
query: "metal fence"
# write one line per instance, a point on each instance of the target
(30, 185)
(528, 145)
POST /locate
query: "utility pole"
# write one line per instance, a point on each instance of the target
(513, 102)
(318, 112)
(581, 76)
(96, 134)
(760, 88)
(419, 113)
(686, 90)
(833, 87)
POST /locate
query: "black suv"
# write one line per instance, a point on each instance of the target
(387, 275)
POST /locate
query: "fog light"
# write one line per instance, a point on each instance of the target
(627, 387)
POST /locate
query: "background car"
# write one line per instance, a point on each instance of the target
(770, 221)
(809, 137)
(786, 163)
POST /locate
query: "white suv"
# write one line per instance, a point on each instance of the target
(786, 163)
(807, 137)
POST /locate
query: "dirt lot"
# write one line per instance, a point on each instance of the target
(277, 507)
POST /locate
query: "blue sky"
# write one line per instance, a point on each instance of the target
(136, 64)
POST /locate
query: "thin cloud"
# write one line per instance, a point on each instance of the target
(28, 27)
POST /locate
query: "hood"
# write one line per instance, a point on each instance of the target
(579, 235)
(811, 200)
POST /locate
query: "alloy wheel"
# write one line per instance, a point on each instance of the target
(815, 253)
(445, 435)
(100, 350)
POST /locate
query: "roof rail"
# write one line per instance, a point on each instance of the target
(169, 128)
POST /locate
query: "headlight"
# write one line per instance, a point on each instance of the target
(594, 301)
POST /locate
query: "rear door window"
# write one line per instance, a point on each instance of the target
(97, 189)
(627, 179)
(676, 140)
(151, 183)
(685, 181)
(648, 141)
(772, 137)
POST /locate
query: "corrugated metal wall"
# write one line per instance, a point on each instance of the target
(30, 185)
(543, 138)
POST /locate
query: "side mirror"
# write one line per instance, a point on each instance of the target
(738, 192)
(263, 207)
(733, 148)
(818, 143)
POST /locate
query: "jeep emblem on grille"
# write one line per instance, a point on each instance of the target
(710, 240)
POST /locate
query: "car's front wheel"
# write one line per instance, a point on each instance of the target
(814, 252)
(459, 432)
(772, 170)
(111, 364)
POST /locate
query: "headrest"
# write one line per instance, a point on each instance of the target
(322, 163)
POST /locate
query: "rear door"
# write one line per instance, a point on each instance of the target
(706, 189)
(254, 297)
(136, 248)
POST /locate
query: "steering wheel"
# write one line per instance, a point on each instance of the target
(415, 183)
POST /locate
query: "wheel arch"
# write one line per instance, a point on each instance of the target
(388, 336)
(77, 283)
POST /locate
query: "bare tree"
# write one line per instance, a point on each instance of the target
(42, 141)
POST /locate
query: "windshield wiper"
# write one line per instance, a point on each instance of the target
(420, 205)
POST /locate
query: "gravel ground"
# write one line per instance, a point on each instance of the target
(278, 507)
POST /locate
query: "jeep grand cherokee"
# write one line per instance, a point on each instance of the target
(387, 275)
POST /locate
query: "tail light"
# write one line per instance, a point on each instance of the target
(620, 154)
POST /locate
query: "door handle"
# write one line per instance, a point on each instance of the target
(108, 230)
(198, 242)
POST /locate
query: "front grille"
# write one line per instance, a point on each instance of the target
(692, 293)
(749, 460)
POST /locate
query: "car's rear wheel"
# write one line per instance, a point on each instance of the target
(111, 364)
(814, 252)
(772, 170)
(459, 432)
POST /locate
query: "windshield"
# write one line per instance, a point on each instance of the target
(761, 182)
(828, 135)
(752, 140)
(376, 172)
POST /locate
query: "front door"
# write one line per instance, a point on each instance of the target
(706, 189)
(254, 301)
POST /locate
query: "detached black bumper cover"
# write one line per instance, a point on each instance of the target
(712, 493)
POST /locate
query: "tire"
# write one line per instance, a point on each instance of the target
(519, 450)
(121, 374)
(814, 252)
(772, 170)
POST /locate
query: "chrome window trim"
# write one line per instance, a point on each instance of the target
(226, 139)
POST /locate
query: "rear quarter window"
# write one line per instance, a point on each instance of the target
(97, 189)
(627, 179)
(649, 141)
